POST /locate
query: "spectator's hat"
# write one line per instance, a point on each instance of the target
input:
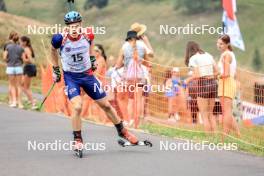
(139, 28)
(131, 34)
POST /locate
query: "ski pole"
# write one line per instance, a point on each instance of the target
(45, 98)
(70, 5)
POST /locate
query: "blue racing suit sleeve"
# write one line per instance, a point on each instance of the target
(56, 41)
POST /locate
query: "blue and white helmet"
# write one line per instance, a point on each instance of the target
(72, 17)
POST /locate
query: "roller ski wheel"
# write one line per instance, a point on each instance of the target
(78, 148)
(78, 153)
(124, 143)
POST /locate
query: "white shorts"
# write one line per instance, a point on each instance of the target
(14, 70)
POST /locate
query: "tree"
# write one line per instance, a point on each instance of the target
(257, 62)
(2, 6)
(97, 3)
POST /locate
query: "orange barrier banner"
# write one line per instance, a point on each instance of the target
(166, 97)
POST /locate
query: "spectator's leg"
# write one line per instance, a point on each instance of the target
(203, 108)
(211, 114)
(235, 127)
(227, 114)
(170, 107)
(12, 85)
(10, 100)
(139, 108)
(122, 102)
(19, 90)
(26, 88)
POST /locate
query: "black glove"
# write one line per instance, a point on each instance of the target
(93, 62)
(56, 74)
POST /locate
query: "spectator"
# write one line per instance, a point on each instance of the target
(144, 41)
(146, 91)
(101, 62)
(14, 56)
(192, 92)
(227, 83)
(11, 35)
(120, 100)
(203, 69)
(30, 69)
(100, 72)
(131, 57)
(177, 104)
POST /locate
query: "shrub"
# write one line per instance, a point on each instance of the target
(97, 3)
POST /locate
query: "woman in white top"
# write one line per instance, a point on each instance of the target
(227, 83)
(202, 71)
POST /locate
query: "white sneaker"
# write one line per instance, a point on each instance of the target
(131, 122)
(125, 123)
(172, 120)
(34, 107)
(12, 105)
(200, 119)
(20, 106)
(177, 117)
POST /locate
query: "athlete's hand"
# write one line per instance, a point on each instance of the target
(56, 74)
(93, 62)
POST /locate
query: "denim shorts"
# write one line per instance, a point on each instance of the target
(14, 70)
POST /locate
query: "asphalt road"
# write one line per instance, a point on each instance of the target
(18, 127)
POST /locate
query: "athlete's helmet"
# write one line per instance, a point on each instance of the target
(72, 17)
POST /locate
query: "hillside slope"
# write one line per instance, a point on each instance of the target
(118, 16)
(9, 22)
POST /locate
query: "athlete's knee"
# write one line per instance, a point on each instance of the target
(77, 104)
(77, 107)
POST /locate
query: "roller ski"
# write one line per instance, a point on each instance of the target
(128, 139)
(124, 143)
(78, 148)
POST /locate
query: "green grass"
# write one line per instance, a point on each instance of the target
(118, 16)
(201, 136)
(26, 104)
(19, 24)
(36, 88)
(3, 98)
